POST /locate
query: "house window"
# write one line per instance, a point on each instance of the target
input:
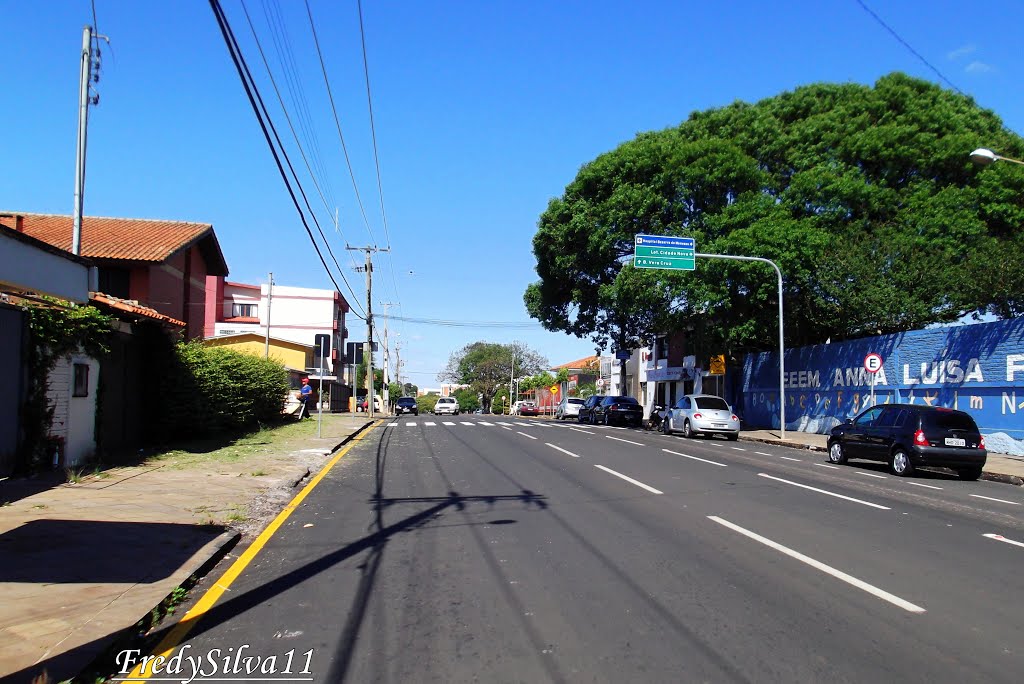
(81, 380)
(243, 310)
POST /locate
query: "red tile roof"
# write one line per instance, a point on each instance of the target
(578, 363)
(132, 306)
(113, 238)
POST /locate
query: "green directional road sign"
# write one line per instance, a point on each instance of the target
(664, 251)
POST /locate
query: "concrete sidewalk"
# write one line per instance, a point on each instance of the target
(82, 563)
(999, 467)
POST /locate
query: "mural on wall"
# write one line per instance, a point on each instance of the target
(974, 368)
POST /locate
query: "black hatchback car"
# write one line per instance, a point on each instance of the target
(406, 405)
(586, 414)
(909, 435)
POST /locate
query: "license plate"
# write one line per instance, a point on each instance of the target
(955, 441)
(722, 425)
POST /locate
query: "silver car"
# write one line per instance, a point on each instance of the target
(702, 414)
(569, 407)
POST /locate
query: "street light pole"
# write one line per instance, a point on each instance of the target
(986, 157)
(782, 345)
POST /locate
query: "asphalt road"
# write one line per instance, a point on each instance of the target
(516, 550)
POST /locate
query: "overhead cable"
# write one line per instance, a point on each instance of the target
(252, 92)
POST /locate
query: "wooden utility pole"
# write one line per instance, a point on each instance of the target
(368, 354)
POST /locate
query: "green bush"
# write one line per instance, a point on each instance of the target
(211, 390)
(426, 403)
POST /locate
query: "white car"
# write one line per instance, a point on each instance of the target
(446, 405)
(702, 414)
(569, 407)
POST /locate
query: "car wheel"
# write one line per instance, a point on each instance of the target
(836, 453)
(970, 474)
(665, 429)
(900, 463)
(687, 430)
(733, 436)
(607, 419)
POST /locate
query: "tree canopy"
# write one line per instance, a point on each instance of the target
(864, 197)
(486, 366)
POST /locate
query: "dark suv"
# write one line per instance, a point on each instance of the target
(909, 435)
(406, 405)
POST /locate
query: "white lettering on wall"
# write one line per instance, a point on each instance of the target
(946, 372)
(1014, 363)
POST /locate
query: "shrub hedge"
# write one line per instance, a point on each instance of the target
(211, 390)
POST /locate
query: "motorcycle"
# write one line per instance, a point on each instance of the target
(654, 421)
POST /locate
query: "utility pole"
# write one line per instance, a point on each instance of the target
(270, 297)
(387, 359)
(368, 354)
(89, 73)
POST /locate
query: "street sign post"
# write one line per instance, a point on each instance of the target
(873, 364)
(664, 251)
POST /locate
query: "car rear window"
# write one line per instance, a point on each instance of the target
(575, 401)
(951, 420)
(711, 403)
(623, 400)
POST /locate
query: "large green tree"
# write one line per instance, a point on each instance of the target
(486, 366)
(864, 196)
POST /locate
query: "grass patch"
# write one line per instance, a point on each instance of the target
(259, 473)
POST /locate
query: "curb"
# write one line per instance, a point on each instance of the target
(986, 475)
(197, 567)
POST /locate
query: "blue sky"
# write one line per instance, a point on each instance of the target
(483, 111)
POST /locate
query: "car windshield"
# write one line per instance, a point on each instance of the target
(406, 401)
(711, 403)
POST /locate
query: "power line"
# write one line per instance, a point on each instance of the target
(252, 92)
(514, 325)
(337, 122)
(376, 156)
(907, 45)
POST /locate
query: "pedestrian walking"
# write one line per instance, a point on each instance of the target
(306, 399)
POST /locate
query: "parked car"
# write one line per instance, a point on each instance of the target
(907, 436)
(525, 408)
(618, 409)
(406, 405)
(446, 405)
(569, 407)
(586, 411)
(361, 404)
(702, 414)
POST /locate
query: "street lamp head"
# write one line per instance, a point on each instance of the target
(983, 156)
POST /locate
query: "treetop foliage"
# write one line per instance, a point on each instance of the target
(864, 196)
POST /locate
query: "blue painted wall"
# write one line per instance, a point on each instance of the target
(975, 368)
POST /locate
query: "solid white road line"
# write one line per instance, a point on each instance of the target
(429, 423)
(999, 537)
(827, 569)
(823, 465)
(822, 491)
(979, 496)
(583, 431)
(617, 439)
(918, 484)
(525, 435)
(788, 458)
(629, 479)
(702, 460)
(558, 448)
(881, 477)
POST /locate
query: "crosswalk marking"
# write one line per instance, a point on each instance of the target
(448, 423)
(430, 423)
(487, 424)
(410, 424)
(466, 423)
